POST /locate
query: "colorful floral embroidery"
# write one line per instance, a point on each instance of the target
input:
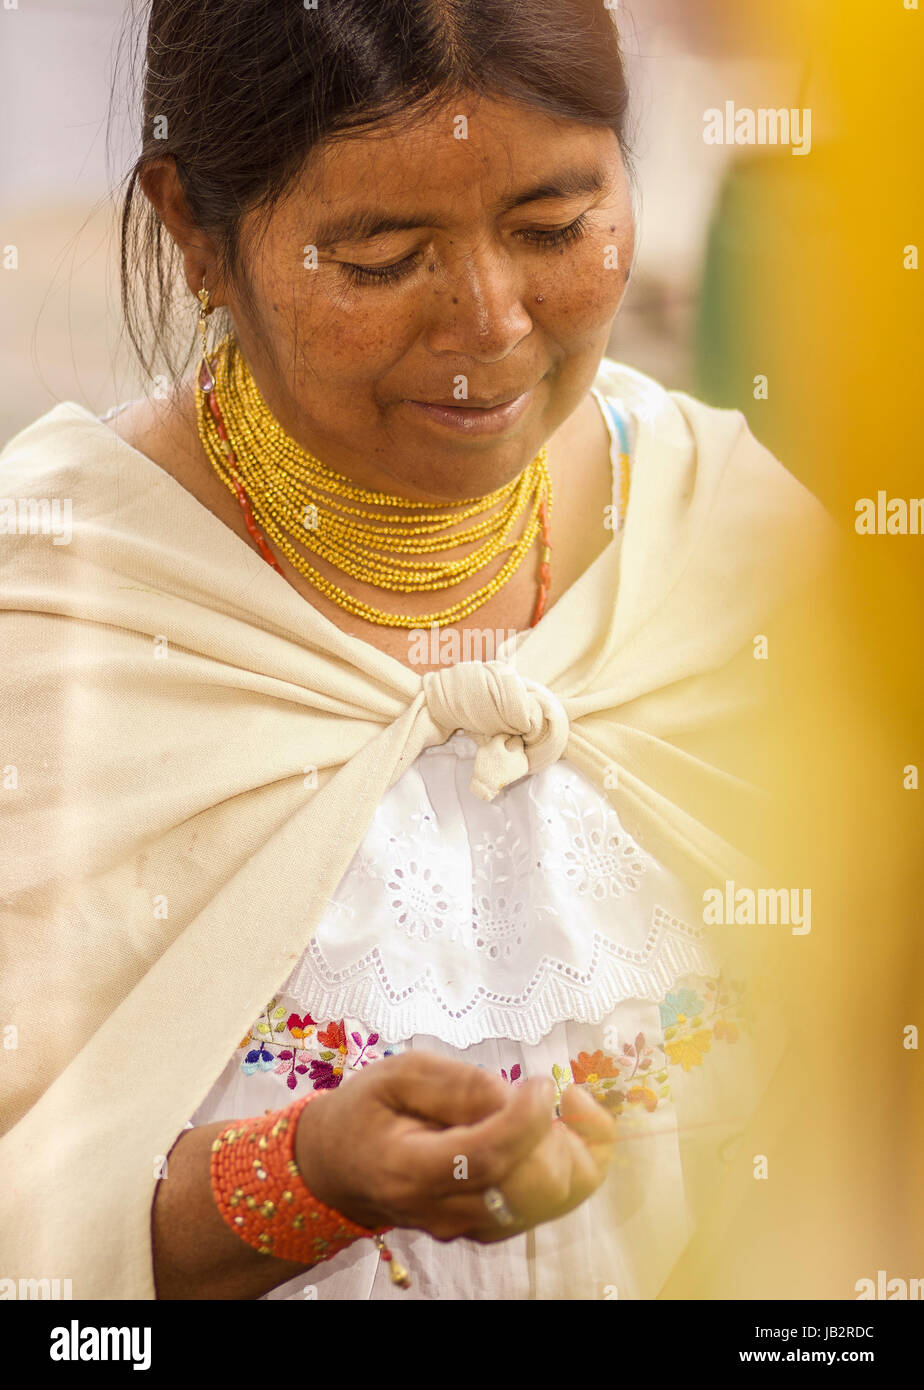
(362, 1059)
(304, 1049)
(690, 1050)
(678, 1005)
(691, 1022)
(632, 1077)
(626, 1078)
(258, 1060)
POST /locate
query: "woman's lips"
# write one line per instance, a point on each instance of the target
(469, 419)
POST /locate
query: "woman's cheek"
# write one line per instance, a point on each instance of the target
(586, 293)
(372, 327)
(316, 314)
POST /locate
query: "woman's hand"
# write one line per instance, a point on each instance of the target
(415, 1141)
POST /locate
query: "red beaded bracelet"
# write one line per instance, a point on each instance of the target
(263, 1198)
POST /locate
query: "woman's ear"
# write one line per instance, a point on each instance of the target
(160, 184)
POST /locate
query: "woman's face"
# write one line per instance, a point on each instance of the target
(467, 272)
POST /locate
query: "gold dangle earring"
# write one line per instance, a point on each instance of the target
(206, 375)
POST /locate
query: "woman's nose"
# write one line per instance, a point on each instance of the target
(478, 308)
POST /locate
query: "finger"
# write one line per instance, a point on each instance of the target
(482, 1154)
(465, 1217)
(590, 1163)
(539, 1188)
(440, 1090)
(587, 1118)
(557, 1177)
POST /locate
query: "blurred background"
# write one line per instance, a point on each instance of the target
(752, 262)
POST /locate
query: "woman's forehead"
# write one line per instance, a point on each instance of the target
(500, 153)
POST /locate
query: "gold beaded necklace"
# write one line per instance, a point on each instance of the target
(292, 495)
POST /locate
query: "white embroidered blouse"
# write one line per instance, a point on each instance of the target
(529, 935)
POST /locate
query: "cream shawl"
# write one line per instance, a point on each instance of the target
(191, 755)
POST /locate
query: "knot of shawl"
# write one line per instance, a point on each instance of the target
(520, 725)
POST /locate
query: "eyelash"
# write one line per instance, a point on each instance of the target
(562, 236)
(388, 274)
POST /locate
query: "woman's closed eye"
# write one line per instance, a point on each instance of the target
(380, 274)
(546, 238)
(556, 236)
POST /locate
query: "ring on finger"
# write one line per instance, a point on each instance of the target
(496, 1203)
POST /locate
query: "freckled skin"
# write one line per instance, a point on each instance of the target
(336, 361)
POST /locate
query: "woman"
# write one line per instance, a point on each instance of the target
(270, 837)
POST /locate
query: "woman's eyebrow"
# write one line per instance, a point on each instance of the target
(567, 184)
(366, 223)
